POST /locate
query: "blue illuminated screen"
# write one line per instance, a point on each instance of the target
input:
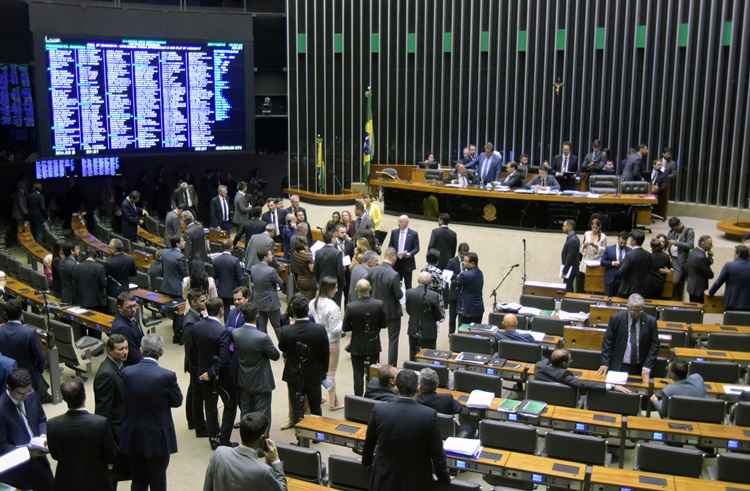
(536, 478)
(658, 436)
(16, 103)
(100, 166)
(144, 95)
(461, 464)
(54, 168)
(733, 444)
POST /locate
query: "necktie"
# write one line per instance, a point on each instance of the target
(224, 209)
(402, 241)
(633, 343)
(619, 255)
(484, 169)
(565, 164)
(22, 412)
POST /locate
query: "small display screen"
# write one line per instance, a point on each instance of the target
(658, 436)
(537, 478)
(320, 436)
(461, 464)
(580, 427)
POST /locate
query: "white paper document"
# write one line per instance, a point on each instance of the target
(447, 276)
(347, 260)
(480, 399)
(617, 378)
(592, 263)
(462, 446)
(77, 310)
(318, 245)
(736, 389)
(573, 316)
(14, 458)
(530, 311)
(546, 284)
(510, 306)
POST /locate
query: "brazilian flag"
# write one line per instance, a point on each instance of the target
(320, 165)
(368, 148)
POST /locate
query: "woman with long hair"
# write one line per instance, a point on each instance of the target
(302, 266)
(325, 311)
(348, 222)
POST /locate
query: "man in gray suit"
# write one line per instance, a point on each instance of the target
(682, 385)
(386, 287)
(173, 268)
(259, 243)
(172, 224)
(254, 350)
(195, 239)
(265, 281)
(681, 242)
(360, 272)
(241, 206)
(241, 468)
(363, 222)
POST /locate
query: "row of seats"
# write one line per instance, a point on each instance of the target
(12, 267)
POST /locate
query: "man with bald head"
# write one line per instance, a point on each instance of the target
(364, 318)
(555, 369)
(509, 331)
(425, 311)
(406, 243)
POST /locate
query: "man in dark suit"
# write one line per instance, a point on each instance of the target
(211, 346)
(132, 216)
(148, 436)
(7, 365)
(21, 419)
(82, 443)
(403, 445)
(194, 414)
(565, 162)
(444, 240)
(253, 226)
(109, 397)
(90, 279)
(470, 284)
(306, 349)
(514, 179)
(173, 225)
(544, 180)
(631, 342)
(195, 239)
(364, 318)
(489, 164)
(456, 265)
(555, 369)
(346, 247)
(443, 403)
(660, 181)
(276, 216)
(736, 275)
(185, 197)
(20, 342)
(235, 318)
(681, 242)
(425, 310)
(635, 268)
(611, 260)
(570, 257)
(19, 210)
(329, 261)
(120, 267)
(173, 268)
(254, 351)
(126, 324)
(635, 164)
(262, 242)
(67, 272)
(266, 282)
(406, 243)
(386, 287)
(219, 211)
(37, 212)
(699, 269)
(294, 206)
(383, 387)
(228, 274)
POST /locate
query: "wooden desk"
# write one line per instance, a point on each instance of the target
(610, 479)
(623, 301)
(34, 250)
(662, 430)
(600, 314)
(27, 292)
(150, 238)
(490, 462)
(330, 430)
(293, 484)
(78, 224)
(546, 471)
(512, 370)
(544, 289)
(578, 337)
(548, 341)
(160, 300)
(714, 305)
(703, 330)
(691, 484)
(583, 421)
(728, 437)
(740, 357)
(594, 281)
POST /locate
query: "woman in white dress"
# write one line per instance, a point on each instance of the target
(592, 247)
(328, 314)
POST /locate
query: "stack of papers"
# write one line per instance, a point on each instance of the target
(480, 399)
(538, 336)
(318, 245)
(523, 190)
(77, 310)
(617, 378)
(14, 458)
(736, 389)
(466, 447)
(509, 307)
(573, 316)
(530, 311)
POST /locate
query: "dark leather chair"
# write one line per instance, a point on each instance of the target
(552, 393)
(586, 449)
(614, 402)
(472, 343)
(657, 457)
(585, 359)
(544, 303)
(507, 435)
(680, 314)
(358, 408)
(696, 409)
(716, 371)
(465, 381)
(736, 318)
(733, 467)
(519, 351)
(302, 463)
(347, 473)
(548, 325)
(730, 342)
(442, 372)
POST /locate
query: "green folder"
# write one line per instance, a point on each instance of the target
(534, 408)
(509, 405)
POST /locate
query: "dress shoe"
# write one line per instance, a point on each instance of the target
(214, 442)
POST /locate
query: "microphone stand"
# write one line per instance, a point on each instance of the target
(523, 274)
(493, 294)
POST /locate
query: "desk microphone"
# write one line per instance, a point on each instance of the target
(515, 266)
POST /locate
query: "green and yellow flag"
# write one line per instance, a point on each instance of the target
(368, 148)
(320, 165)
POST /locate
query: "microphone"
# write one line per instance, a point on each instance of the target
(515, 266)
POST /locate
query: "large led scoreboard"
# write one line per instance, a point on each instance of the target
(113, 96)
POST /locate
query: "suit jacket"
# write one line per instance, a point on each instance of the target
(280, 217)
(609, 256)
(131, 215)
(195, 242)
(699, 272)
(248, 229)
(455, 264)
(425, 311)
(444, 240)
(513, 180)
(215, 218)
(736, 275)
(20, 206)
(227, 273)
(7, 365)
(634, 272)
(173, 270)
(19, 342)
(470, 284)
(90, 284)
(265, 279)
(631, 168)
(363, 225)
(494, 167)
(404, 447)
(261, 242)
(691, 386)
(109, 394)
(179, 198)
(329, 262)
(549, 181)
(150, 393)
(133, 333)
(386, 287)
(83, 446)
(189, 321)
(570, 257)
(616, 340)
(683, 242)
(442, 403)
(557, 163)
(364, 319)
(411, 245)
(301, 368)
(211, 343)
(172, 227)
(67, 279)
(359, 271)
(37, 207)
(241, 209)
(13, 434)
(121, 268)
(254, 350)
(240, 469)
(545, 372)
(377, 392)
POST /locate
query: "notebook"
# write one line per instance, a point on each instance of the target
(480, 399)
(509, 406)
(466, 447)
(534, 408)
